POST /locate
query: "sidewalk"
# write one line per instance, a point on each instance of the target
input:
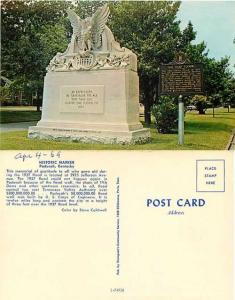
(232, 146)
(231, 143)
(16, 126)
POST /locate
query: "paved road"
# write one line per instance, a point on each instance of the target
(16, 126)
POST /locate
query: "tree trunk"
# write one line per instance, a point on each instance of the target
(147, 117)
(147, 87)
(201, 111)
(20, 98)
(147, 111)
(39, 102)
(38, 107)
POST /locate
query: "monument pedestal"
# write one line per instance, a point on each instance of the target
(94, 106)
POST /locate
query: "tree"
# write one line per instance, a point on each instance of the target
(188, 35)
(154, 35)
(86, 8)
(201, 103)
(216, 74)
(32, 33)
(229, 94)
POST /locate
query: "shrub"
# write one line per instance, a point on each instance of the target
(4, 95)
(165, 113)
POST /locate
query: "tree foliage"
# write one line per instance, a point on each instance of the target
(32, 32)
(154, 35)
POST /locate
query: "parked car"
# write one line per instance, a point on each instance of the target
(191, 107)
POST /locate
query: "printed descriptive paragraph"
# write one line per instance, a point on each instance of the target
(58, 184)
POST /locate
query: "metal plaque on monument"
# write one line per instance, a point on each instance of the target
(91, 91)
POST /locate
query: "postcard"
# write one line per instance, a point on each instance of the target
(117, 147)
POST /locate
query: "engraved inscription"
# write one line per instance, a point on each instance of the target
(82, 99)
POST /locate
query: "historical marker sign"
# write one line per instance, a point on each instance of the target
(181, 79)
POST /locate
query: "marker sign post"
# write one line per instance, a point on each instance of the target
(180, 79)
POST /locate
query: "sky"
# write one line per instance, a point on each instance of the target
(214, 22)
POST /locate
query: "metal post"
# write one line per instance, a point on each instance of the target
(181, 121)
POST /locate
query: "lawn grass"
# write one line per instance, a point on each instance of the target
(15, 114)
(202, 132)
(18, 108)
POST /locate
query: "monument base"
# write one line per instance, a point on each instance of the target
(139, 136)
(100, 106)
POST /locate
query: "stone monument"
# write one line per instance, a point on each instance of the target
(91, 91)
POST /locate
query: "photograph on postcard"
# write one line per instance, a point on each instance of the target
(133, 75)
